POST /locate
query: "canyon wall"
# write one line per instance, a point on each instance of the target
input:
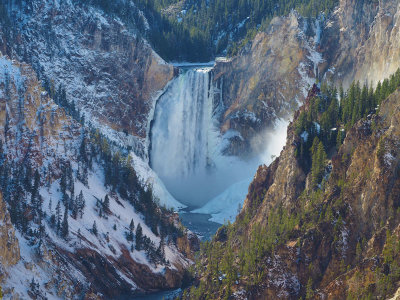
(106, 67)
(270, 78)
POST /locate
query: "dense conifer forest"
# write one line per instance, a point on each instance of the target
(323, 127)
(205, 29)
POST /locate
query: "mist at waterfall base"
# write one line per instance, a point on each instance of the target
(226, 205)
(186, 145)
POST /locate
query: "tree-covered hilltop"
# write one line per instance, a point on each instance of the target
(204, 29)
(328, 119)
(324, 217)
(199, 30)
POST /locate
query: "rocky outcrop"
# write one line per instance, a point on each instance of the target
(189, 244)
(283, 181)
(110, 72)
(360, 41)
(114, 278)
(31, 118)
(365, 187)
(9, 247)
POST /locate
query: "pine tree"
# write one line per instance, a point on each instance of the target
(81, 204)
(34, 288)
(321, 160)
(38, 206)
(106, 204)
(139, 237)
(63, 181)
(309, 290)
(28, 176)
(388, 251)
(364, 105)
(74, 207)
(314, 146)
(53, 220)
(35, 188)
(42, 229)
(70, 179)
(65, 229)
(129, 235)
(94, 228)
(314, 159)
(72, 190)
(318, 161)
(107, 173)
(58, 216)
(82, 173)
(378, 92)
(161, 250)
(358, 251)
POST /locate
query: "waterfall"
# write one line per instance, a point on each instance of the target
(186, 145)
(183, 130)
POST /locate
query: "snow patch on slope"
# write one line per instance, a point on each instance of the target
(61, 143)
(149, 177)
(225, 206)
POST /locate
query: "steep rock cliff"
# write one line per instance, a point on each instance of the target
(9, 247)
(268, 80)
(360, 41)
(106, 68)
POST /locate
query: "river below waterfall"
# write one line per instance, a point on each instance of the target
(199, 223)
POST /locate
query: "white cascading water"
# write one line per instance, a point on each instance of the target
(183, 134)
(183, 119)
(186, 145)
